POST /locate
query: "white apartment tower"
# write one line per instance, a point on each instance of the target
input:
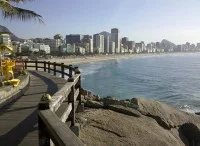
(115, 38)
(98, 42)
(5, 39)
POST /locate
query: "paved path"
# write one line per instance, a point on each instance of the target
(18, 121)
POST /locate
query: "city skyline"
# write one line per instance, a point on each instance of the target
(139, 21)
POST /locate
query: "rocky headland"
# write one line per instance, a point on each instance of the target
(136, 121)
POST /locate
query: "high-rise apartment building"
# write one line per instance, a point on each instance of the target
(5, 39)
(131, 46)
(88, 39)
(115, 38)
(74, 38)
(106, 44)
(54, 44)
(111, 47)
(98, 43)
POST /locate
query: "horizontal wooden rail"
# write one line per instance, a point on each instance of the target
(57, 131)
(52, 66)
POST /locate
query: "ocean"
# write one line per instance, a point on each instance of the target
(171, 78)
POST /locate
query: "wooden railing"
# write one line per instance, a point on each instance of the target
(52, 128)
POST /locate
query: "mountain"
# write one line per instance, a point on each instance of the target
(13, 37)
(165, 44)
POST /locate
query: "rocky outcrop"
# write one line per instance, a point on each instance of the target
(168, 117)
(137, 122)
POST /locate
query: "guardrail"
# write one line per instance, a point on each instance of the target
(51, 127)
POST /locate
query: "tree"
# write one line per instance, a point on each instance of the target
(10, 11)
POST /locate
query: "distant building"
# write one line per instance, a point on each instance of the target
(37, 40)
(87, 37)
(80, 50)
(98, 42)
(115, 38)
(74, 38)
(158, 45)
(131, 46)
(43, 47)
(5, 39)
(88, 40)
(140, 47)
(178, 48)
(106, 44)
(192, 47)
(91, 45)
(111, 47)
(70, 48)
(149, 48)
(125, 41)
(16, 47)
(54, 44)
(198, 47)
(106, 41)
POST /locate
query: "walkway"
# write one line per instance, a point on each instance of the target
(18, 121)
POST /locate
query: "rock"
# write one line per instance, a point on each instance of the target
(83, 99)
(191, 132)
(197, 113)
(114, 101)
(106, 128)
(93, 104)
(166, 116)
(110, 101)
(134, 101)
(124, 110)
(88, 95)
(127, 103)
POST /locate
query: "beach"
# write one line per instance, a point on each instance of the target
(87, 59)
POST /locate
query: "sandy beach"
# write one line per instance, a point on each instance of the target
(87, 59)
(96, 58)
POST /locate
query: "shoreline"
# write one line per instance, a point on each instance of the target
(88, 59)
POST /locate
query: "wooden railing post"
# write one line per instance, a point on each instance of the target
(71, 100)
(79, 83)
(70, 79)
(48, 66)
(25, 64)
(71, 96)
(36, 65)
(54, 68)
(44, 66)
(44, 138)
(62, 70)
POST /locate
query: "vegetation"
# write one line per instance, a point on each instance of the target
(9, 10)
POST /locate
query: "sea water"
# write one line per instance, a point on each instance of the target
(172, 78)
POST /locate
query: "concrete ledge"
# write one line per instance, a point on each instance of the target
(12, 93)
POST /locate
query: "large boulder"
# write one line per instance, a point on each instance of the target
(87, 95)
(124, 110)
(106, 128)
(93, 104)
(115, 101)
(168, 117)
(110, 101)
(151, 123)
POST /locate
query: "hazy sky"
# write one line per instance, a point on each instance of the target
(140, 20)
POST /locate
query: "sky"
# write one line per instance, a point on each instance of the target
(140, 20)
